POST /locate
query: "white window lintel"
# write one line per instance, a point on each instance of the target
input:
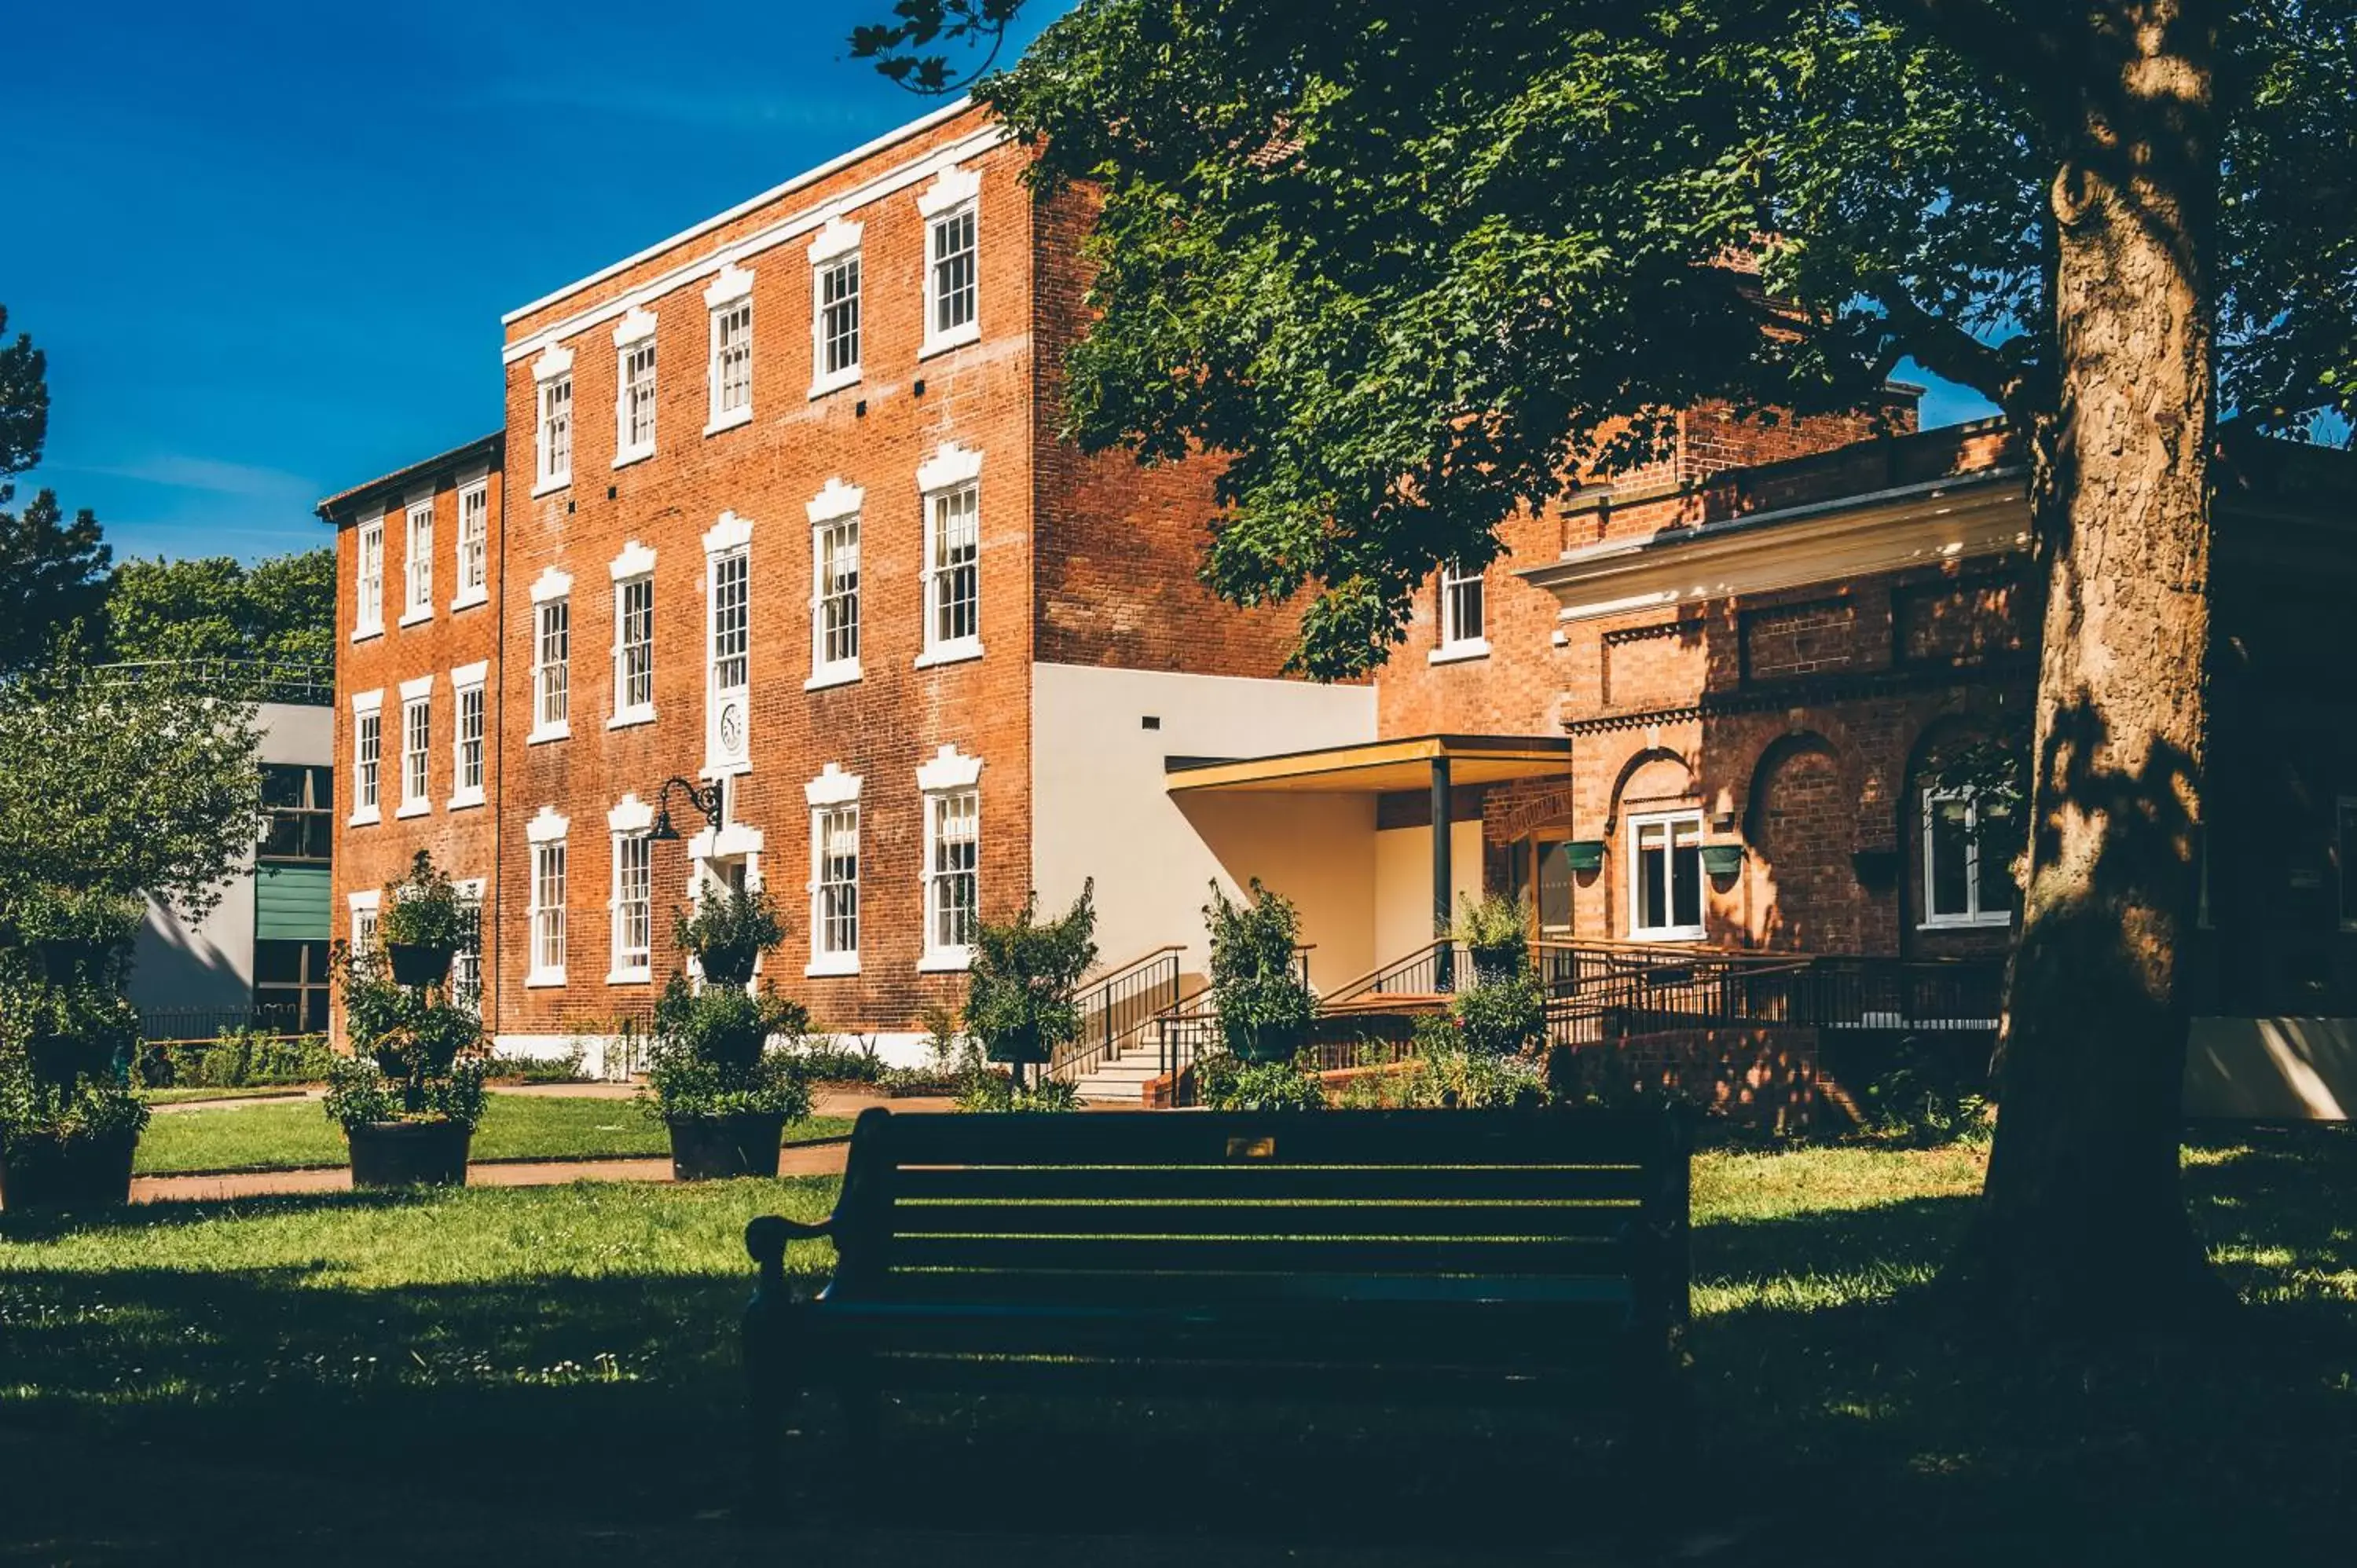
(554, 360)
(838, 237)
(832, 787)
(951, 465)
(550, 585)
(729, 532)
(950, 768)
(955, 186)
(547, 826)
(732, 283)
(834, 499)
(635, 561)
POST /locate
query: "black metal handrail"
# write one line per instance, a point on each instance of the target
(1115, 1007)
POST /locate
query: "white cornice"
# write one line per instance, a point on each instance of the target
(949, 770)
(637, 323)
(950, 465)
(733, 283)
(1835, 543)
(837, 164)
(836, 500)
(635, 561)
(839, 238)
(832, 787)
(729, 532)
(957, 185)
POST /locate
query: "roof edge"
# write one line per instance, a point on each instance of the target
(489, 447)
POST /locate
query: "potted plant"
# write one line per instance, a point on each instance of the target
(1025, 975)
(1264, 1005)
(70, 1120)
(728, 933)
(1496, 930)
(411, 1093)
(423, 924)
(722, 1076)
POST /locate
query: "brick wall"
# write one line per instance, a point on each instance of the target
(463, 840)
(1761, 1077)
(881, 726)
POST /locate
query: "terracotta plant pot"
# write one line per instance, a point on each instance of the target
(409, 1153)
(78, 1173)
(414, 964)
(707, 1147)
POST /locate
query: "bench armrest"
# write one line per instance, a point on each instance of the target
(766, 1237)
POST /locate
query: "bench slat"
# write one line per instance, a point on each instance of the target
(1255, 1180)
(1129, 1290)
(1252, 1220)
(1380, 1138)
(1403, 1383)
(1185, 1255)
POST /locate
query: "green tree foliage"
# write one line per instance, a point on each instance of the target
(114, 788)
(53, 570)
(1409, 265)
(281, 610)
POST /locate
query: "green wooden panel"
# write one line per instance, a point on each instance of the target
(290, 903)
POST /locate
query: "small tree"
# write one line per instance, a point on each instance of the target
(111, 791)
(1264, 1005)
(1504, 1010)
(1026, 973)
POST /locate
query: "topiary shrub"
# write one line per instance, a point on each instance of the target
(1263, 1005)
(1024, 978)
(423, 1056)
(719, 1051)
(728, 932)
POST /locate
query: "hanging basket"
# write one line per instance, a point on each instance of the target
(414, 963)
(1585, 854)
(1722, 859)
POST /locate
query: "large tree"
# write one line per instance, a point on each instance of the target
(1409, 265)
(280, 611)
(53, 570)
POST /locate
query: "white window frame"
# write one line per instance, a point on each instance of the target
(467, 965)
(1457, 584)
(1669, 822)
(416, 748)
(363, 907)
(955, 195)
(632, 572)
(472, 556)
(368, 771)
(467, 691)
(830, 796)
(368, 578)
(836, 508)
(417, 562)
(951, 471)
(552, 681)
(551, 376)
(545, 836)
(729, 539)
(637, 388)
(950, 776)
(729, 298)
(1974, 916)
(628, 828)
(835, 249)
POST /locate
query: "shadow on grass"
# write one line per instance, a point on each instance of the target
(1839, 1419)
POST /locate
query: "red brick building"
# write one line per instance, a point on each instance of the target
(781, 510)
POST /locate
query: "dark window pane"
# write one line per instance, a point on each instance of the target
(1950, 892)
(281, 785)
(323, 787)
(277, 963)
(1686, 881)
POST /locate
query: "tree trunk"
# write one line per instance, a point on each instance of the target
(2082, 1221)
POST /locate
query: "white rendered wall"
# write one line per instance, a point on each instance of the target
(1100, 807)
(209, 963)
(1404, 884)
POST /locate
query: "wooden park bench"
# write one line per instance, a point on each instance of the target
(1376, 1256)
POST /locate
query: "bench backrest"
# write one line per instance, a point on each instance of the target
(1144, 1207)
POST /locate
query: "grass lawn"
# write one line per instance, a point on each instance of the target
(558, 1363)
(182, 1096)
(264, 1136)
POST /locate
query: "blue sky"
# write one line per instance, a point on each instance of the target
(267, 244)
